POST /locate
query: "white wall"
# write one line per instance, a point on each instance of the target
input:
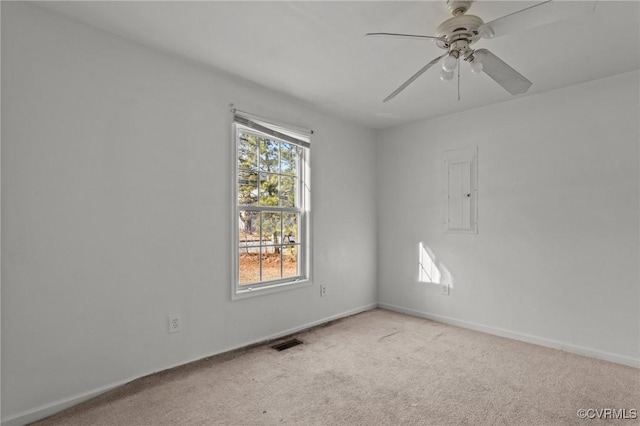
(115, 213)
(555, 261)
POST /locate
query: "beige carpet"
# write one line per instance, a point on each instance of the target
(375, 368)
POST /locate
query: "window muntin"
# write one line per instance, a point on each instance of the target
(270, 209)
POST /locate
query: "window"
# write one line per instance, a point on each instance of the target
(271, 206)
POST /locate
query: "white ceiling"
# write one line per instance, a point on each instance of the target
(317, 51)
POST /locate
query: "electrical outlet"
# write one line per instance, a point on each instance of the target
(175, 323)
(444, 289)
(323, 290)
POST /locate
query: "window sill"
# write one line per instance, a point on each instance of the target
(239, 294)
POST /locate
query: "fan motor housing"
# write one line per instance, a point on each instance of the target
(458, 27)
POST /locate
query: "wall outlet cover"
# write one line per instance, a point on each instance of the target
(175, 323)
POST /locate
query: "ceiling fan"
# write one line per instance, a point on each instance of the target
(457, 34)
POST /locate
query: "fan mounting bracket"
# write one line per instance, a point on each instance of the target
(459, 7)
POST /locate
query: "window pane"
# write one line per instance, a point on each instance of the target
(268, 189)
(247, 151)
(247, 188)
(269, 155)
(290, 228)
(289, 155)
(288, 191)
(289, 261)
(249, 266)
(271, 227)
(271, 263)
(249, 230)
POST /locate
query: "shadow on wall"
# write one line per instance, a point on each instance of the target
(430, 269)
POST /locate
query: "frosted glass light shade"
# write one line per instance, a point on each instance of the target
(449, 63)
(476, 66)
(485, 31)
(446, 75)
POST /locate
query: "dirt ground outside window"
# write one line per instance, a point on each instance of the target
(250, 267)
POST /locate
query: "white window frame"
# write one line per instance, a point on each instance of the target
(276, 132)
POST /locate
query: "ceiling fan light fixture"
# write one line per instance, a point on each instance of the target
(446, 75)
(476, 66)
(449, 64)
(486, 31)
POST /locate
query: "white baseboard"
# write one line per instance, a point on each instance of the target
(540, 341)
(47, 410)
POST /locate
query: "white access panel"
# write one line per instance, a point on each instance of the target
(461, 191)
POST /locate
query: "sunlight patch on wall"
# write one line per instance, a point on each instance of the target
(430, 270)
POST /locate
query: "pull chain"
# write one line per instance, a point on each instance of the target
(458, 78)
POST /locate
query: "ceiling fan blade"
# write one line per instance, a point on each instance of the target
(413, 78)
(404, 36)
(513, 82)
(534, 16)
